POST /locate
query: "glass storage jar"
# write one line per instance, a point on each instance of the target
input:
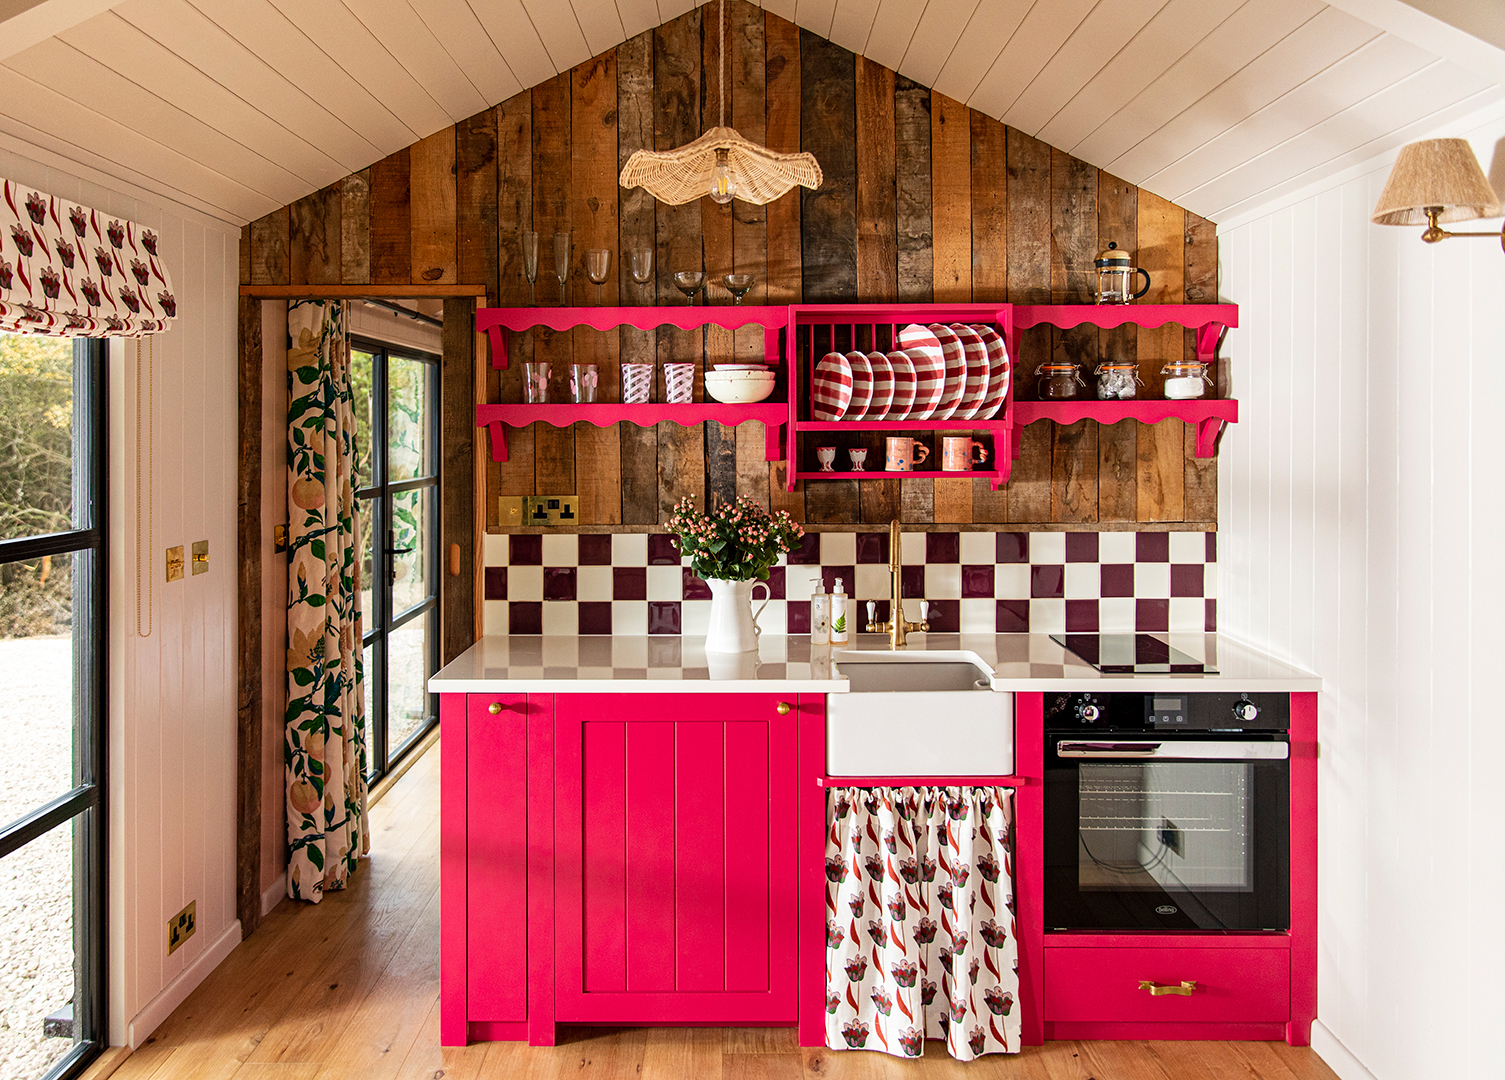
(1117, 381)
(1185, 379)
(1057, 381)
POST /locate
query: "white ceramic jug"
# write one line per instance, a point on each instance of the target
(734, 624)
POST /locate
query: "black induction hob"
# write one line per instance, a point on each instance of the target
(1132, 654)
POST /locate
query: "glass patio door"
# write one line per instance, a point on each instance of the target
(52, 627)
(397, 396)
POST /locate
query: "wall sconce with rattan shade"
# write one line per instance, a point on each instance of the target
(1433, 181)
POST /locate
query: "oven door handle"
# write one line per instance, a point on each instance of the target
(1179, 749)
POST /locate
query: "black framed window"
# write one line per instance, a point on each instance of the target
(397, 476)
(52, 708)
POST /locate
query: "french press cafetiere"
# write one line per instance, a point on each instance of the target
(1115, 277)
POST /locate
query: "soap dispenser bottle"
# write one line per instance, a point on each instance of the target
(840, 632)
(820, 617)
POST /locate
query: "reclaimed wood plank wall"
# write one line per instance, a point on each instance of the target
(924, 200)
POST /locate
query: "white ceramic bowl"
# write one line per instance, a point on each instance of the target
(739, 387)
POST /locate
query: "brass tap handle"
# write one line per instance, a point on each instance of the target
(1186, 989)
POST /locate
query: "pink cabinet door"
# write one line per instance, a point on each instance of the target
(676, 869)
(496, 857)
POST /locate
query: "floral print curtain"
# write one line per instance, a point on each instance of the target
(325, 744)
(920, 936)
(68, 270)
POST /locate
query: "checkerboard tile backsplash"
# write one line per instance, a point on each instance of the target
(976, 582)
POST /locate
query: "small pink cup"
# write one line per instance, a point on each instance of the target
(904, 454)
(960, 453)
(679, 383)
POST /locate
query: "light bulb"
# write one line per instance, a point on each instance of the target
(723, 187)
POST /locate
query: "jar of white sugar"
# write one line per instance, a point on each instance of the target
(1185, 379)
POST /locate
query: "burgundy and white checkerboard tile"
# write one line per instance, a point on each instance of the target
(635, 584)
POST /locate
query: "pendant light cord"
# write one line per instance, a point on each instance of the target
(722, 78)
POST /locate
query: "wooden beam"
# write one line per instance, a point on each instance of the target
(356, 292)
(248, 594)
(457, 439)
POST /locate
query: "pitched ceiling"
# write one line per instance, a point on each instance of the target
(241, 106)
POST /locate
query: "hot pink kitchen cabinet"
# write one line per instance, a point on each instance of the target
(675, 865)
(617, 859)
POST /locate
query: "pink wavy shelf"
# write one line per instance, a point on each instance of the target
(1210, 415)
(689, 317)
(497, 418)
(1208, 320)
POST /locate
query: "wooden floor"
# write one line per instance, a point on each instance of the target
(349, 988)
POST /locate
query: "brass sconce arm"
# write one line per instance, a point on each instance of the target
(1435, 232)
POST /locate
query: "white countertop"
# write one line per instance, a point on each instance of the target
(600, 664)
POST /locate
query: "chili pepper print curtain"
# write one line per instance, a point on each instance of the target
(920, 921)
(325, 743)
(70, 270)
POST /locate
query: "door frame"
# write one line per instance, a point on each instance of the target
(462, 487)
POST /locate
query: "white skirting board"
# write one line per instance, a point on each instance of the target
(1339, 1058)
(160, 1007)
(274, 894)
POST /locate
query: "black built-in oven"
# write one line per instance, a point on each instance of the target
(1167, 812)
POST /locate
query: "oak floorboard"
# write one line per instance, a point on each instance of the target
(266, 997)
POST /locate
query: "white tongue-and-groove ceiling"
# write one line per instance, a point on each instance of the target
(238, 107)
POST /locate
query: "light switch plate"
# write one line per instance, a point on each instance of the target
(175, 563)
(200, 557)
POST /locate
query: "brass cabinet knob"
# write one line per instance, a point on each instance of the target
(495, 708)
(782, 708)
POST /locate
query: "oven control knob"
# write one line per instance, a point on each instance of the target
(1246, 710)
(1089, 713)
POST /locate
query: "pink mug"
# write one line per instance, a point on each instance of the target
(904, 454)
(960, 453)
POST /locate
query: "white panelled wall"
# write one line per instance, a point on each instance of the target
(1362, 519)
(172, 707)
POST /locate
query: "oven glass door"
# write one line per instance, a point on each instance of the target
(1188, 833)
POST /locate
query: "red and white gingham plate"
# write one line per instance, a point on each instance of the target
(883, 386)
(904, 386)
(930, 369)
(956, 372)
(977, 372)
(862, 386)
(831, 388)
(999, 372)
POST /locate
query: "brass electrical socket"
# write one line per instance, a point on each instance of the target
(538, 510)
(180, 927)
(200, 556)
(175, 563)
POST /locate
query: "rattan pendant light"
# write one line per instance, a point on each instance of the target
(721, 164)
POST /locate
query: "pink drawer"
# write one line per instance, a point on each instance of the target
(1232, 985)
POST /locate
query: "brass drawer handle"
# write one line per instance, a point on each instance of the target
(495, 708)
(1159, 990)
(782, 708)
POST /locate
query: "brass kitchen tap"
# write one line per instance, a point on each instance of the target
(897, 629)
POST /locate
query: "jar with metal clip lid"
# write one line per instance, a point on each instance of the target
(1057, 381)
(1118, 380)
(1185, 379)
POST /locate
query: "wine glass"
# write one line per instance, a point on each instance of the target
(738, 285)
(562, 264)
(530, 262)
(597, 265)
(641, 262)
(689, 282)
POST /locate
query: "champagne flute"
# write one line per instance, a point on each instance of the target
(530, 262)
(597, 266)
(738, 285)
(562, 264)
(641, 261)
(689, 282)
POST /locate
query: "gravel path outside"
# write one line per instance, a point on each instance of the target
(36, 882)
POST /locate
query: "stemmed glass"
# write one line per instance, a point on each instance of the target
(530, 262)
(689, 282)
(597, 265)
(641, 262)
(738, 285)
(562, 264)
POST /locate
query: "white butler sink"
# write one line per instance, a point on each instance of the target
(918, 714)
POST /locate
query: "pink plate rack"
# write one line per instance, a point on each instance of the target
(815, 329)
